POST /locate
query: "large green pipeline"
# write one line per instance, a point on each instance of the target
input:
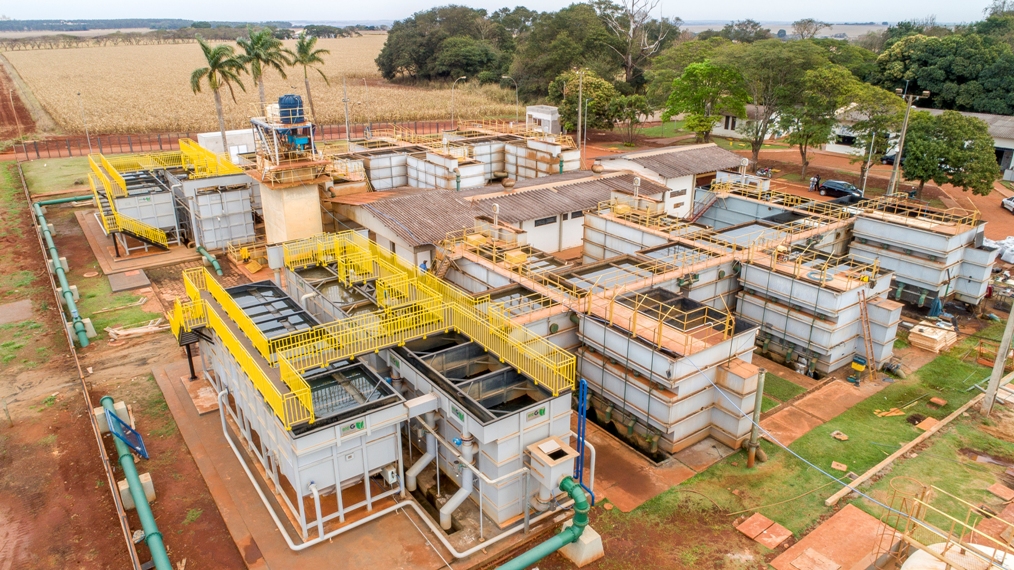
(211, 259)
(569, 534)
(152, 537)
(68, 295)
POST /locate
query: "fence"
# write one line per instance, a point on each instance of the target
(63, 147)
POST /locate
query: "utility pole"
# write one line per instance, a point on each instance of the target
(1001, 359)
(754, 445)
(345, 99)
(869, 161)
(584, 142)
(10, 94)
(452, 99)
(896, 171)
(80, 106)
(517, 101)
(580, 102)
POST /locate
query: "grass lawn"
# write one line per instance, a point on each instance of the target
(767, 403)
(942, 465)
(53, 174)
(780, 388)
(784, 477)
(665, 130)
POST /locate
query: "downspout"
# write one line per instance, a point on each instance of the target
(569, 534)
(68, 295)
(152, 537)
(412, 475)
(211, 259)
(467, 449)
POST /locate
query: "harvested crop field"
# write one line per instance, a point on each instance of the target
(131, 89)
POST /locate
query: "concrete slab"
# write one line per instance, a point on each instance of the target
(810, 559)
(849, 540)
(790, 424)
(704, 454)
(626, 477)
(836, 397)
(16, 311)
(1002, 491)
(773, 536)
(393, 541)
(755, 525)
(201, 393)
(133, 279)
(102, 246)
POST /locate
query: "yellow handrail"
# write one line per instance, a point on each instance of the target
(138, 228)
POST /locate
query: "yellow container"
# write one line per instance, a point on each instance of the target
(475, 239)
(516, 257)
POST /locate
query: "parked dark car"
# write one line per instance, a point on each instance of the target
(838, 188)
(889, 158)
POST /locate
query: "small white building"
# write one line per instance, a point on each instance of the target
(240, 141)
(731, 126)
(545, 118)
(680, 169)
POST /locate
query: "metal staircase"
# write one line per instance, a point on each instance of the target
(864, 317)
(114, 222)
(699, 210)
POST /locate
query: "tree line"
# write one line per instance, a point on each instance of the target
(630, 62)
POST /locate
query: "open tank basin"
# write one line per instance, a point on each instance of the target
(271, 310)
(345, 391)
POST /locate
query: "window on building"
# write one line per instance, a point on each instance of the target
(545, 221)
(577, 215)
(563, 217)
(677, 193)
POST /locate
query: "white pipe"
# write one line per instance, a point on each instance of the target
(467, 443)
(591, 466)
(412, 475)
(406, 504)
(302, 300)
(316, 504)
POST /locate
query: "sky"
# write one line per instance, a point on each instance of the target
(946, 11)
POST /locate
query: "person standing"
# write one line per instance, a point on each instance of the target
(816, 186)
(813, 183)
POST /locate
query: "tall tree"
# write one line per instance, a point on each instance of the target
(263, 51)
(703, 93)
(223, 69)
(308, 56)
(629, 111)
(560, 41)
(950, 148)
(596, 93)
(742, 31)
(670, 63)
(808, 28)
(826, 90)
(877, 114)
(773, 77)
(630, 23)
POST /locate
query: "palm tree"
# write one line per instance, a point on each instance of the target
(309, 57)
(263, 51)
(223, 70)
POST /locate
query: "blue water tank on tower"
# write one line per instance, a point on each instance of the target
(290, 108)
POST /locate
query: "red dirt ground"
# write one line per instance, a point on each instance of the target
(8, 124)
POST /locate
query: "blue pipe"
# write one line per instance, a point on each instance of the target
(569, 534)
(61, 276)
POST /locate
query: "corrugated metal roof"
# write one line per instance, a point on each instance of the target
(426, 216)
(1000, 126)
(684, 160)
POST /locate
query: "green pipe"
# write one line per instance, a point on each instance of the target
(210, 258)
(152, 537)
(61, 276)
(569, 534)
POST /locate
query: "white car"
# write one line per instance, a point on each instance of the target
(1008, 203)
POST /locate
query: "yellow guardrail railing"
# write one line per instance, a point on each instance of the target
(204, 162)
(207, 283)
(138, 228)
(293, 407)
(116, 176)
(544, 362)
(113, 190)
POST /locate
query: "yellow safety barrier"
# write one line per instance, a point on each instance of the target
(207, 283)
(204, 162)
(544, 362)
(140, 229)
